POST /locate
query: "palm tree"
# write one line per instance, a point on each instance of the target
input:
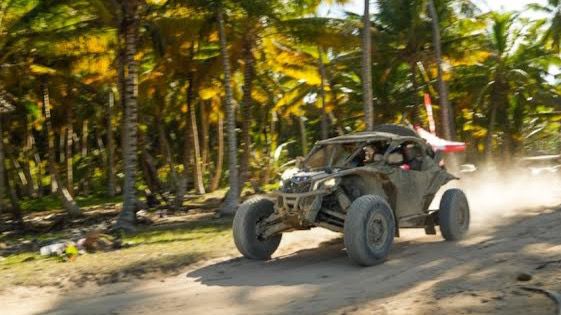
(553, 31)
(247, 104)
(366, 68)
(36, 61)
(516, 65)
(307, 55)
(2, 159)
(232, 199)
(401, 40)
(66, 198)
(194, 141)
(447, 128)
(5, 107)
(110, 146)
(323, 78)
(131, 24)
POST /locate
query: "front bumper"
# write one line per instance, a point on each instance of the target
(299, 209)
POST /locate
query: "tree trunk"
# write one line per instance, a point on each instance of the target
(246, 107)
(127, 217)
(27, 155)
(490, 133)
(205, 139)
(164, 146)
(39, 165)
(182, 183)
(197, 163)
(518, 116)
(271, 136)
(271, 145)
(30, 190)
(101, 145)
(339, 127)
(187, 155)
(303, 134)
(367, 68)
(324, 122)
(68, 154)
(416, 113)
(51, 153)
(86, 181)
(10, 172)
(110, 148)
(76, 142)
(166, 152)
(61, 144)
(180, 193)
(84, 140)
(219, 155)
(15, 208)
(149, 168)
(2, 169)
(232, 199)
(66, 198)
(447, 129)
(18, 169)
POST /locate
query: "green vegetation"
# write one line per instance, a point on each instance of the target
(75, 127)
(189, 231)
(146, 253)
(51, 202)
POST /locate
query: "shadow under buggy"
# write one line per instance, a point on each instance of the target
(366, 185)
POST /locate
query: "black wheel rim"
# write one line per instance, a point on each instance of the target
(259, 227)
(377, 231)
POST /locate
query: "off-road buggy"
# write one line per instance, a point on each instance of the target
(367, 185)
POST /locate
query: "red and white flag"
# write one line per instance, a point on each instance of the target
(439, 144)
(428, 107)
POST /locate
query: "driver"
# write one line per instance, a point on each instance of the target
(371, 154)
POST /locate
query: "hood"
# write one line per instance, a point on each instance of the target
(296, 180)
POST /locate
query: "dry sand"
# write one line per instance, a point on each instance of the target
(517, 229)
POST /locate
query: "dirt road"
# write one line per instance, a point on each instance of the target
(516, 231)
(312, 275)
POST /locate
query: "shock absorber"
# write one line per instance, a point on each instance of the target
(343, 199)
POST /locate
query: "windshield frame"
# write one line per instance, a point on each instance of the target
(330, 158)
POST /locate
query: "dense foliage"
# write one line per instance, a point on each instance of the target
(163, 97)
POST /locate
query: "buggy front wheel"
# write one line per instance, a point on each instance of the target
(369, 230)
(246, 229)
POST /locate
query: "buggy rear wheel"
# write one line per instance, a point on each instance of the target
(454, 215)
(369, 230)
(246, 228)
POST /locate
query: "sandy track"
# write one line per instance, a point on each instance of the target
(312, 275)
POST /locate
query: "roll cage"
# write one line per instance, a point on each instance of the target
(388, 142)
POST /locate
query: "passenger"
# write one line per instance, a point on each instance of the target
(369, 152)
(412, 157)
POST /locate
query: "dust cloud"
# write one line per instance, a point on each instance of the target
(495, 195)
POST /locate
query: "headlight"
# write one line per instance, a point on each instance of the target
(330, 183)
(288, 173)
